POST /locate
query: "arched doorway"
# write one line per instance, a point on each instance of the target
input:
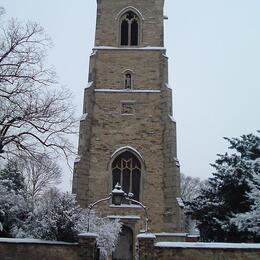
(124, 249)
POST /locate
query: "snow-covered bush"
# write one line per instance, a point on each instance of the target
(13, 210)
(56, 216)
(108, 232)
(52, 216)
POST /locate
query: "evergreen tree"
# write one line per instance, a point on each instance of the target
(250, 221)
(13, 210)
(226, 192)
(11, 177)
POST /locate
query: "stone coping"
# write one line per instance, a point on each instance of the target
(198, 245)
(165, 234)
(127, 90)
(147, 48)
(33, 241)
(88, 235)
(146, 236)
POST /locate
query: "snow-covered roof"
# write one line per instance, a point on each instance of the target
(208, 245)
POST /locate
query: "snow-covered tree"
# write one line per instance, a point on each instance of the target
(11, 176)
(190, 187)
(56, 216)
(226, 192)
(250, 221)
(108, 232)
(13, 210)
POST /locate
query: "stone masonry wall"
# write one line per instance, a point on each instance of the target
(24, 249)
(162, 253)
(149, 129)
(107, 27)
(149, 249)
(145, 65)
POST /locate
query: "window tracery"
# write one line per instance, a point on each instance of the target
(129, 29)
(126, 170)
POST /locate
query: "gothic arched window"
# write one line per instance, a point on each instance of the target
(129, 29)
(126, 170)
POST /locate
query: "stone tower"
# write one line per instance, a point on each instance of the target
(127, 131)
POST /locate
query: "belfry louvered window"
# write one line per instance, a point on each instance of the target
(129, 29)
(126, 170)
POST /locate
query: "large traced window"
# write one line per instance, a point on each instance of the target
(129, 29)
(126, 170)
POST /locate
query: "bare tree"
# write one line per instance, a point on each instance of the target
(40, 174)
(190, 187)
(36, 116)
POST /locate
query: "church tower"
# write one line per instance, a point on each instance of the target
(127, 131)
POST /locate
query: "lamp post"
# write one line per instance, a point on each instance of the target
(118, 195)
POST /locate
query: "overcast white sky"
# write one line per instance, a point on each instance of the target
(214, 66)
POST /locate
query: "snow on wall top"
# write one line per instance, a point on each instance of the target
(146, 236)
(128, 90)
(208, 245)
(148, 48)
(163, 234)
(32, 241)
(88, 235)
